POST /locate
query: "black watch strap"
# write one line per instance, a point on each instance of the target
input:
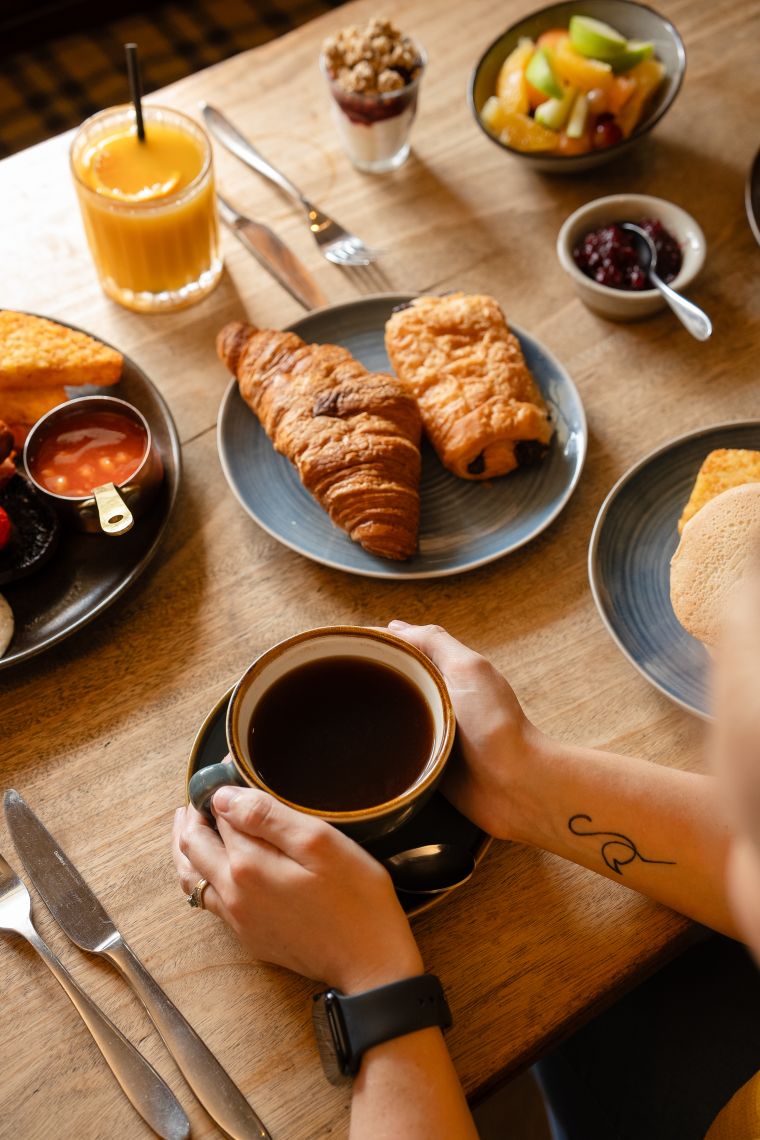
(391, 1011)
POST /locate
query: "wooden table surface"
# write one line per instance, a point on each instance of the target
(96, 732)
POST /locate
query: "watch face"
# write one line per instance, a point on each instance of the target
(328, 1030)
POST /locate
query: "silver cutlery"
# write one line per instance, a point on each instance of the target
(152, 1098)
(335, 243)
(690, 315)
(81, 915)
(272, 253)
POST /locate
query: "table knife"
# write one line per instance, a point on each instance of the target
(81, 915)
(147, 1091)
(272, 253)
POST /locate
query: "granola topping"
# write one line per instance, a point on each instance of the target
(372, 60)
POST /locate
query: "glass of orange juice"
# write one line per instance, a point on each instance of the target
(148, 207)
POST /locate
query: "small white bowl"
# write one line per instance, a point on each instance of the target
(628, 304)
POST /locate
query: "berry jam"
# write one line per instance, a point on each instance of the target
(609, 256)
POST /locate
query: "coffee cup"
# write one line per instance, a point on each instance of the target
(346, 723)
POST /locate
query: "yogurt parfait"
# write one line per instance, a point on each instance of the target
(373, 73)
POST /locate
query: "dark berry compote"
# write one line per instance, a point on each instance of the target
(609, 256)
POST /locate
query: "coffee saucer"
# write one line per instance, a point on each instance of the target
(436, 822)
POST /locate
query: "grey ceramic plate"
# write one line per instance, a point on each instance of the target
(436, 822)
(87, 573)
(633, 540)
(462, 524)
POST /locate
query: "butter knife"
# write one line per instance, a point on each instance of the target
(81, 915)
(272, 253)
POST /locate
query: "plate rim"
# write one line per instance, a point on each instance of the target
(8, 661)
(398, 574)
(751, 185)
(593, 547)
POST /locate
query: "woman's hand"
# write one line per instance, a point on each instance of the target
(296, 891)
(490, 778)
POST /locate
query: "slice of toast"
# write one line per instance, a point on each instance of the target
(35, 352)
(722, 469)
(27, 405)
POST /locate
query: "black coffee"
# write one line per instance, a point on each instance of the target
(341, 734)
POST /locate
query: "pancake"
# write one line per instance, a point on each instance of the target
(716, 548)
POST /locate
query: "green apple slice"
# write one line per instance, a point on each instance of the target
(576, 124)
(540, 74)
(554, 112)
(595, 39)
(636, 51)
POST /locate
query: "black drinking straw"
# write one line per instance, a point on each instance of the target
(135, 87)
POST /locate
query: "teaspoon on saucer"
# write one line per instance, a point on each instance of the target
(690, 315)
(430, 870)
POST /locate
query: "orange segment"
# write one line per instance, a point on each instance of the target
(549, 39)
(647, 77)
(523, 133)
(578, 70)
(619, 93)
(511, 85)
(145, 194)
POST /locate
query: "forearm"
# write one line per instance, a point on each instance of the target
(408, 1087)
(655, 829)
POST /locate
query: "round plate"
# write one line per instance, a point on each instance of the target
(436, 822)
(633, 541)
(87, 573)
(463, 524)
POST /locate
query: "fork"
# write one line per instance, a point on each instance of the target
(335, 243)
(149, 1094)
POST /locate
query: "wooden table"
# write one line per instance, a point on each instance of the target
(96, 732)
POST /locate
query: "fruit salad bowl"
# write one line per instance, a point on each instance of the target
(604, 84)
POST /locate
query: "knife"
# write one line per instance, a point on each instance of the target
(147, 1091)
(81, 915)
(272, 253)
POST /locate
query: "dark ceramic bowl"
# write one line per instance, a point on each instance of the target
(635, 21)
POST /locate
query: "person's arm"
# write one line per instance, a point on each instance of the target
(299, 893)
(736, 750)
(655, 829)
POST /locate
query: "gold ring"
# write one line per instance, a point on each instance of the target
(196, 898)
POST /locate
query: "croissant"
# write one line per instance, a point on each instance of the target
(353, 435)
(481, 408)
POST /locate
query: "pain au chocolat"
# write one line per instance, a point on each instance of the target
(353, 435)
(481, 408)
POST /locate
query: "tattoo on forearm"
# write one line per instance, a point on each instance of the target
(627, 851)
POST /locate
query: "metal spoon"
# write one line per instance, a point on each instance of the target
(690, 315)
(430, 870)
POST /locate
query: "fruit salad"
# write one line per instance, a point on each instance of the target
(573, 90)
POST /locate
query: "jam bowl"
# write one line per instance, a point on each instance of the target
(598, 220)
(94, 459)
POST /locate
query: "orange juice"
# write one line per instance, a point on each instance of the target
(148, 207)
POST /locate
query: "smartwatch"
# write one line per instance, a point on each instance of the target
(346, 1026)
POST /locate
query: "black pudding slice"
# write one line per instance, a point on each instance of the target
(34, 531)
